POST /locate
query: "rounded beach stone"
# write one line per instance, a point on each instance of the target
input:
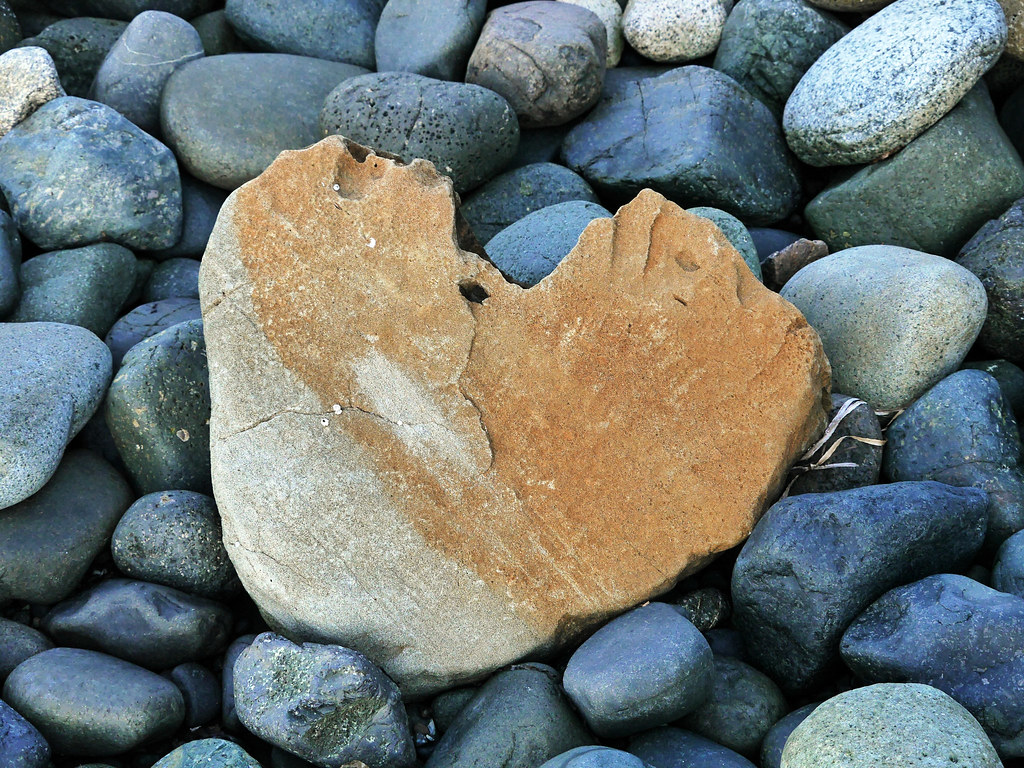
(325, 703)
(132, 76)
(28, 79)
(78, 47)
(21, 745)
(521, 714)
(610, 14)
(889, 337)
(529, 250)
(208, 753)
(158, 411)
(10, 264)
(333, 30)
(953, 633)
(432, 39)
(768, 45)
(115, 706)
(674, 30)
(176, 278)
(254, 120)
(228, 715)
(174, 538)
(77, 172)
(546, 59)
(216, 33)
(1008, 570)
(445, 707)
(200, 689)
(775, 740)
(17, 643)
(704, 141)
(83, 286)
(735, 233)
(200, 205)
(147, 320)
(48, 541)
(891, 78)
(889, 724)
(129, 9)
(55, 378)
(468, 132)
(1011, 382)
(675, 748)
(595, 757)
(645, 668)
(509, 197)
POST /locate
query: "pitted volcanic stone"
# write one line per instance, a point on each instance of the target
(402, 413)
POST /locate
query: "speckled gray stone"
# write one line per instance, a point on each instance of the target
(176, 278)
(432, 39)
(54, 379)
(132, 76)
(83, 286)
(468, 132)
(174, 538)
(17, 643)
(28, 79)
(889, 338)
(208, 753)
(674, 30)
(735, 233)
(10, 264)
(904, 724)
(147, 320)
(891, 78)
(21, 745)
(78, 47)
(115, 707)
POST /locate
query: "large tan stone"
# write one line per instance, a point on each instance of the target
(448, 482)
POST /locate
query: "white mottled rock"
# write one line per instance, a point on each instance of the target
(28, 79)
(610, 14)
(892, 78)
(675, 30)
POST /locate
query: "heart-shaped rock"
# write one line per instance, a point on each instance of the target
(417, 459)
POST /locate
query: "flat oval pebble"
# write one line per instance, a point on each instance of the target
(893, 321)
(158, 410)
(174, 538)
(253, 120)
(147, 320)
(17, 643)
(897, 724)
(49, 540)
(891, 78)
(21, 745)
(432, 39)
(468, 132)
(78, 47)
(176, 278)
(28, 79)
(77, 172)
(208, 753)
(55, 378)
(87, 703)
(85, 286)
(674, 30)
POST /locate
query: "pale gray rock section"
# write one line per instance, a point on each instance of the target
(610, 14)
(28, 79)
(675, 30)
(891, 78)
(893, 321)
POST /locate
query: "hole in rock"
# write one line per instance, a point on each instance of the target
(473, 292)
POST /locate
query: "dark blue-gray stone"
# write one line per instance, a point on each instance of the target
(956, 635)
(17, 643)
(694, 135)
(505, 199)
(200, 689)
(147, 320)
(216, 33)
(208, 753)
(129, 9)
(815, 561)
(228, 715)
(176, 278)
(620, 81)
(158, 411)
(962, 432)
(83, 286)
(115, 706)
(520, 717)
(539, 145)
(595, 757)
(21, 745)
(200, 205)
(445, 707)
(334, 30)
(996, 255)
(10, 264)
(529, 250)
(468, 132)
(769, 241)
(48, 541)
(147, 624)
(132, 76)
(432, 39)
(768, 45)
(10, 29)
(735, 233)
(325, 703)
(775, 740)
(174, 538)
(77, 172)
(645, 668)
(255, 118)
(705, 608)
(725, 641)
(78, 47)
(1011, 382)
(54, 379)
(1008, 570)
(675, 748)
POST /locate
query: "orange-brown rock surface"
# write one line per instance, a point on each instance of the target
(417, 459)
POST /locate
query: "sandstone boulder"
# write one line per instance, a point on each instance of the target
(418, 459)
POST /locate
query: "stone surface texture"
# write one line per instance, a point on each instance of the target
(28, 79)
(675, 30)
(389, 446)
